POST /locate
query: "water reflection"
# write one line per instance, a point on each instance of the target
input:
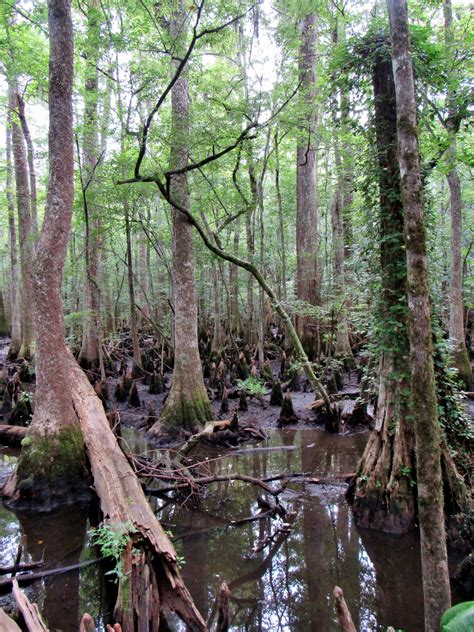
(287, 585)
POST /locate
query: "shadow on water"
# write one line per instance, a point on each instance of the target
(287, 585)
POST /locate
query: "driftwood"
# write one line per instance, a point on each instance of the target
(12, 435)
(345, 620)
(122, 503)
(29, 611)
(209, 428)
(7, 624)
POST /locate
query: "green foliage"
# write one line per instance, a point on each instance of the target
(459, 618)
(252, 386)
(112, 538)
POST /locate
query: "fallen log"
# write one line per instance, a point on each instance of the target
(29, 611)
(12, 435)
(209, 428)
(123, 503)
(7, 624)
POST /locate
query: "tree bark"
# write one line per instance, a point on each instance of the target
(154, 586)
(137, 358)
(235, 320)
(24, 224)
(436, 587)
(187, 405)
(383, 496)
(460, 357)
(52, 463)
(31, 164)
(338, 213)
(15, 316)
(281, 224)
(90, 356)
(307, 274)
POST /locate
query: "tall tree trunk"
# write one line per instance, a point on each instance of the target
(307, 274)
(136, 370)
(15, 316)
(90, 355)
(24, 225)
(434, 561)
(338, 214)
(52, 462)
(187, 405)
(382, 493)
(217, 341)
(235, 320)
(281, 224)
(460, 356)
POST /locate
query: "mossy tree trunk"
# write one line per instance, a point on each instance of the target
(187, 405)
(382, 492)
(307, 274)
(436, 588)
(52, 462)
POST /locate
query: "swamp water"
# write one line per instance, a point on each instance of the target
(286, 586)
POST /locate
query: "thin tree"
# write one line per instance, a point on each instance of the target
(460, 356)
(23, 202)
(307, 274)
(90, 355)
(434, 561)
(187, 405)
(52, 461)
(15, 318)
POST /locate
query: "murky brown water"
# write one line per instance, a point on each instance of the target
(287, 586)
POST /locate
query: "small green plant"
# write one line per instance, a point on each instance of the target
(459, 618)
(252, 386)
(25, 397)
(406, 472)
(112, 540)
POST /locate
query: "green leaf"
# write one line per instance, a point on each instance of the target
(459, 618)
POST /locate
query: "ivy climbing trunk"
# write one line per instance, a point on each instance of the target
(382, 492)
(187, 405)
(51, 467)
(424, 411)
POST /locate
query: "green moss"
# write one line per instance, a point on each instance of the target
(52, 457)
(186, 413)
(460, 361)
